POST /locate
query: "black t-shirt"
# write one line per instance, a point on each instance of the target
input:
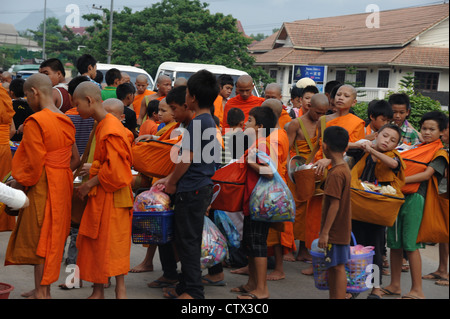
(22, 110)
(201, 139)
(130, 121)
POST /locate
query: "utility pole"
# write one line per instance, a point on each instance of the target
(45, 31)
(109, 52)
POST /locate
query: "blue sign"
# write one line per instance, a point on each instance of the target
(316, 73)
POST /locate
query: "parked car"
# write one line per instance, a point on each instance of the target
(132, 71)
(177, 70)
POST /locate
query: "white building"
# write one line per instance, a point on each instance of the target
(10, 36)
(411, 40)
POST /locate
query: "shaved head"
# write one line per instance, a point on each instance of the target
(350, 88)
(141, 78)
(244, 80)
(273, 91)
(319, 100)
(114, 106)
(39, 82)
(88, 88)
(275, 105)
(163, 78)
(180, 82)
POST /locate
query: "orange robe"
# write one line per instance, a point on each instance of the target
(104, 237)
(279, 142)
(6, 119)
(300, 206)
(284, 119)
(355, 127)
(218, 108)
(42, 164)
(138, 101)
(149, 127)
(244, 105)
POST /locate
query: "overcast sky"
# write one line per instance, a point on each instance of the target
(257, 16)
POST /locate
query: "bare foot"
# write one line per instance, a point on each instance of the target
(240, 271)
(308, 271)
(121, 293)
(276, 275)
(28, 294)
(142, 267)
(185, 296)
(289, 257)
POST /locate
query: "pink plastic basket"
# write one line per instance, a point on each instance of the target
(355, 269)
(5, 290)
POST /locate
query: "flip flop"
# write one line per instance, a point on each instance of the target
(410, 297)
(239, 290)
(442, 282)
(387, 292)
(432, 276)
(209, 282)
(252, 296)
(161, 284)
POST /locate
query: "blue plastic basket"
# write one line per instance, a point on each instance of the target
(355, 269)
(152, 227)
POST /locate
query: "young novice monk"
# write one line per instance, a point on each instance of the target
(335, 227)
(425, 162)
(43, 164)
(104, 237)
(282, 243)
(381, 164)
(260, 122)
(302, 133)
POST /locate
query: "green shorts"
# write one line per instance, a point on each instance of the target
(403, 234)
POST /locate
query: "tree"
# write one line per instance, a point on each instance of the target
(172, 30)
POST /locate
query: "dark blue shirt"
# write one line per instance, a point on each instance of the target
(200, 138)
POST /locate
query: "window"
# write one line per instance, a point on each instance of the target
(383, 78)
(340, 76)
(361, 78)
(427, 81)
(273, 73)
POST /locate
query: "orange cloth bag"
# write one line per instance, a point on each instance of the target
(435, 221)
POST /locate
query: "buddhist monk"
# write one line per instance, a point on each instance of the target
(141, 92)
(7, 130)
(303, 134)
(274, 91)
(244, 100)
(43, 165)
(163, 85)
(282, 242)
(104, 237)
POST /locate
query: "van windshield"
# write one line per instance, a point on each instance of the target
(187, 75)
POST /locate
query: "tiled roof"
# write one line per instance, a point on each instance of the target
(345, 40)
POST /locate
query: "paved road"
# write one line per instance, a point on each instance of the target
(295, 286)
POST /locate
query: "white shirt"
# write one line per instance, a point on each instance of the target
(13, 198)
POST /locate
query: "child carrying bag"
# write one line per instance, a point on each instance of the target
(271, 199)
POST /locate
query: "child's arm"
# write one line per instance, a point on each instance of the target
(171, 181)
(388, 161)
(331, 216)
(420, 177)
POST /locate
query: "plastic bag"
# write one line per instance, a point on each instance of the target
(153, 200)
(228, 229)
(214, 245)
(271, 199)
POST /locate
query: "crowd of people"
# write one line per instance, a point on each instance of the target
(74, 177)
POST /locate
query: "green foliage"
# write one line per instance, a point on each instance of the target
(10, 55)
(172, 30)
(420, 104)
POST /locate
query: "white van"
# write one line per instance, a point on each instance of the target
(177, 70)
(132, 71)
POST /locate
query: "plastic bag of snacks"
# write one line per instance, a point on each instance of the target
(214, 245)
(153, 200)
(227, 228)
(271, 199)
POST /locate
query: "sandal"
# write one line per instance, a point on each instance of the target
(442, 282)
(241, 289)
(432, 276)
(162, 283)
